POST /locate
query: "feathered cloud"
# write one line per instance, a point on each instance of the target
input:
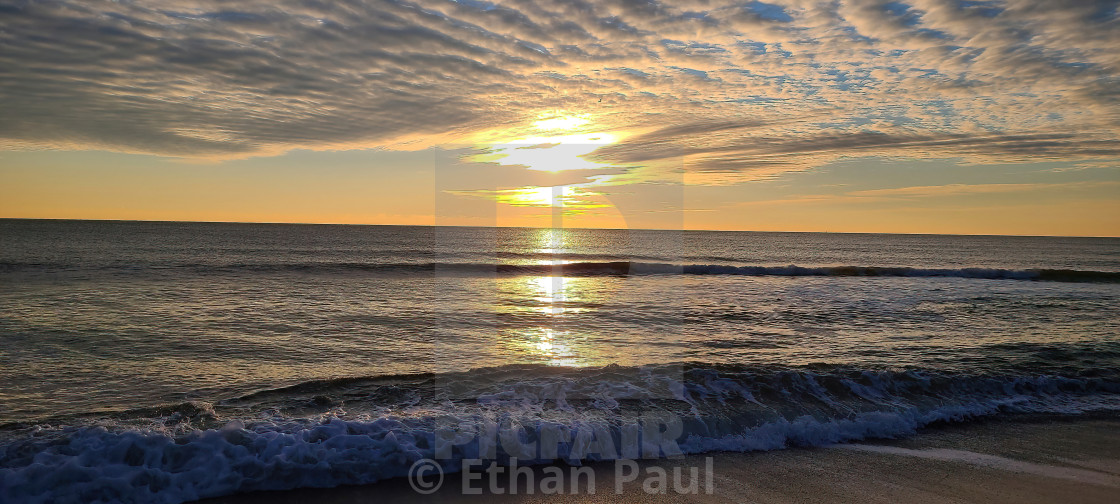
(749, 88)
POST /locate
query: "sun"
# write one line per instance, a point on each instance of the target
(555, 142)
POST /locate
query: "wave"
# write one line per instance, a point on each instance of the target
(361, 430)
(609, 268)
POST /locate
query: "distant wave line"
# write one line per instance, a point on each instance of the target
(608, 268)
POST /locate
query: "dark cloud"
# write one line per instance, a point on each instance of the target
(752, 152)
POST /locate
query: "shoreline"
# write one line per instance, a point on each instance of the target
(1035, 459)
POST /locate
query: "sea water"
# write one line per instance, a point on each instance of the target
(165, 362)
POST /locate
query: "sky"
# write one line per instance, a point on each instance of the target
(918, 116)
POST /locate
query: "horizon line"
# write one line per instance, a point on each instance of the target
(278, 223)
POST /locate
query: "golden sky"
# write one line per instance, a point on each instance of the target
(931, 116)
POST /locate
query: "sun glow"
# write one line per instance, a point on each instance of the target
(563, 122)
(555, 142)
(549, 153)
(570, 198)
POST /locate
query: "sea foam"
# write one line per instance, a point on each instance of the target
(247, 444)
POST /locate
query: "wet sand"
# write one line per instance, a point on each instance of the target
(997, 461)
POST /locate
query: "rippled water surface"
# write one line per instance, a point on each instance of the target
(164, 362)
(105, 316)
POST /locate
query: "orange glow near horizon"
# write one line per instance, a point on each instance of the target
(347, 189)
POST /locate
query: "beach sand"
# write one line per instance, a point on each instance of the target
(997, 461)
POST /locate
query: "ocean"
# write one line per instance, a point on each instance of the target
(167, 362)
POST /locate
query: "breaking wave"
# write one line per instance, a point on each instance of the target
(361, 430)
